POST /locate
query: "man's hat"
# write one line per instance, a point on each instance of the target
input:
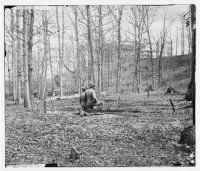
(84, 88)
(91, 85)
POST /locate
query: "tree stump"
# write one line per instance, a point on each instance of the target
(188, 136)
(189, 94)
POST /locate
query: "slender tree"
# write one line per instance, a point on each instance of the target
(9, 79)
(40, 69)
(19, 74)
(51, 66)
(177, 42)
(27, 102)
(100, 50)
(13, 56)
(147, 24)
(91, 62)
(120, 9)
(59, 51)
(189, 40)
(171, 47)
(118, 21)
(183, 38)
(108, 68)
(77, 49)
(44, 73)
(189, 49)
(162, 45)
(63, 44)
(30, 46)
(136, 20)
(102, 47)
(190, 95)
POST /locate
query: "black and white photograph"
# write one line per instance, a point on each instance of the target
(99, 85)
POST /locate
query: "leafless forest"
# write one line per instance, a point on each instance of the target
(142, 61)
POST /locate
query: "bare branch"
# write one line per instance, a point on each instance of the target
(67, 68)
(112, 13)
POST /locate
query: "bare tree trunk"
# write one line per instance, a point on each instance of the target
(139, 70)
(177, 42)
(30, 45)
(160, 59)
(189, 47)
(9, 79)
(171, 48)
(44, 74)
(162, 45)
(182, 38)
(190, 95)
(99, 51)
(63, 43)
(160, 64)
(77, 50)
(19, 74)
(51, 67)
(91, 64)
(138, 55)
(13, 56)
(22, 63)
(108, 66)
(59, 50)
(102, 49)
(41, 71)
(27, 102)
(118, 48)
(147, 25)
(151, 56)
(38, 69)
(138, 26)
(193, 9)
(111, 73)
(189, 41)
(135, 54)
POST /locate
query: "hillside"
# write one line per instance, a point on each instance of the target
(176, 73)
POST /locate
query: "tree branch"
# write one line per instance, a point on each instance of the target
(67, 68)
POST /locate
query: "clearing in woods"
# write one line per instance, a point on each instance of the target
(144, 133)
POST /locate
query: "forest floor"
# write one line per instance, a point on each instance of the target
(144, 133)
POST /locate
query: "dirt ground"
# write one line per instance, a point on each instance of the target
(144, 133)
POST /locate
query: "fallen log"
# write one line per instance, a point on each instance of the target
(186, 107)
(30, 165)
(33, 165)
(106, 110)
(107, 113)
(118, 110)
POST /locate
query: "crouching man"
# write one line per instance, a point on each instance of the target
(88, 99)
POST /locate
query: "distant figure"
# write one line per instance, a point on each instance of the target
(89, 99)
